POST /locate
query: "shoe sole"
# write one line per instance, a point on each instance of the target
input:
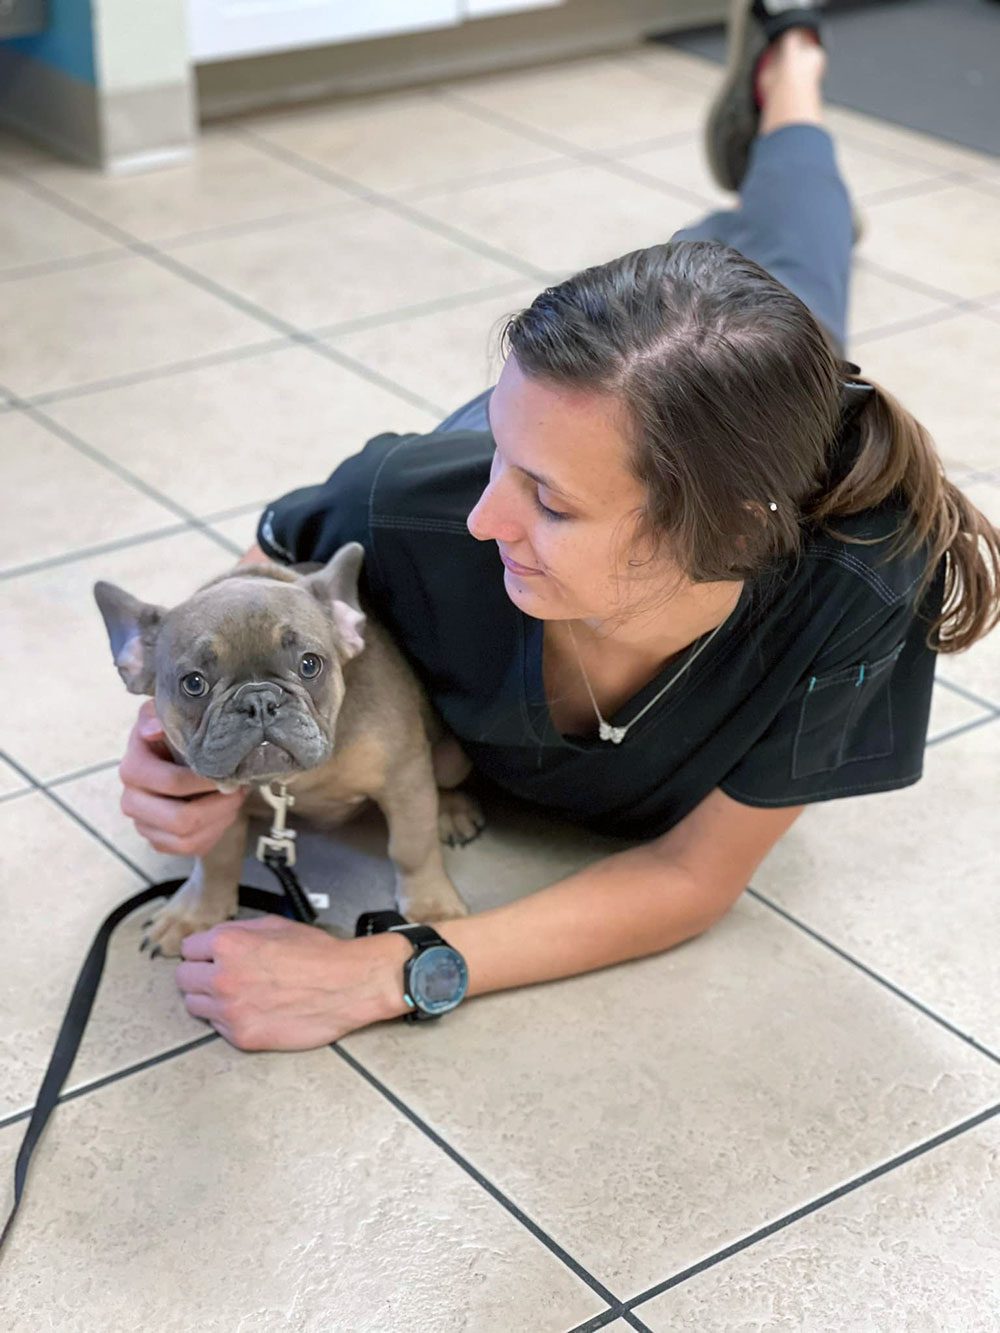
(733, 116)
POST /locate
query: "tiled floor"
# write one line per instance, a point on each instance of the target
(783, 1125)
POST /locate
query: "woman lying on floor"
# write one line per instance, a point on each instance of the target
(681, 573)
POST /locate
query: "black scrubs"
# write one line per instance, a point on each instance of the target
(818, 685)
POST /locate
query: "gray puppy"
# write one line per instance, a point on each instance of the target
(276, 673)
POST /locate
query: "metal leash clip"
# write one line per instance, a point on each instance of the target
(280, 841)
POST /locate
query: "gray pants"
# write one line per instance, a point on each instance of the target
(794, 219)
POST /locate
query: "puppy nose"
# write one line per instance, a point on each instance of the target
(259, 701)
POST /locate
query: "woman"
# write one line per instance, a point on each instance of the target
(727, 563)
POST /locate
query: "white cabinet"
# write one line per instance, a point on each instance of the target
(221, 29)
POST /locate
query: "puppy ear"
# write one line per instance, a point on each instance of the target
(132, 629)
(336, 587)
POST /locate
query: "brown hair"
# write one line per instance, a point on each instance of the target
(735, 395)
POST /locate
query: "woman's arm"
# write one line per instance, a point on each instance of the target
(632, 903)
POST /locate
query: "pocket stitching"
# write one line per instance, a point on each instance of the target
(842, 677)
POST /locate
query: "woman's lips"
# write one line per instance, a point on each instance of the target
(515, 568)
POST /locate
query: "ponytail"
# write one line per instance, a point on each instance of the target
(897, 458)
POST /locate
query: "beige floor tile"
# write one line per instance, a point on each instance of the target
(573, 218)
(10, 780)
(894, 141)
(448, 356)
(682, 164)
(228, 181)
(662, 62)
(112, 318)
(950, 710)
(240, 431)
(328, 270)
(915, 1249)
(876, 301)
(945, 374)
(325, 1209)
(978, 669)
(947, 238)
(72, 709)
(241, 529)
(58, 884)
(64, 500)
(593, 104)
(906, 881)
(708, 1091)
(373, 142)
(34, 232)
(867, 172)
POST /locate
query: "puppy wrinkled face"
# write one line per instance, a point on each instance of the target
(249, 680)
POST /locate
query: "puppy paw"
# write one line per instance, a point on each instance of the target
(460, 818)
(443, 908)
(171, 924)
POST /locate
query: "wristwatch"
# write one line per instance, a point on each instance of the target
(435, 977)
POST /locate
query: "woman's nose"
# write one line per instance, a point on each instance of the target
(492, 518)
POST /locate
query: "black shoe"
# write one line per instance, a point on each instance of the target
(734, 115)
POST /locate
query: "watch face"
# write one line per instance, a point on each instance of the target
(438, 979)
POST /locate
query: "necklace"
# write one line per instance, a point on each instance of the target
(617, 734)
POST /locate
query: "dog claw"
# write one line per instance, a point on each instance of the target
(145, 944)
(146, 924)
(155, 953)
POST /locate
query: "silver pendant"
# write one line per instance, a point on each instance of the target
(609, 733)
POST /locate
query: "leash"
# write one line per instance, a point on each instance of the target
(276, 850)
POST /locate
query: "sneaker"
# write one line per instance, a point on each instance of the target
(734, 116)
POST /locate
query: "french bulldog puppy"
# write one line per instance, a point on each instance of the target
(271, 672)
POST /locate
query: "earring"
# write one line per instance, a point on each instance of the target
(772, 506)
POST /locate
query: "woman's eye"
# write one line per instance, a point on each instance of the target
(194, 684)
(310, 666)
(549, 513)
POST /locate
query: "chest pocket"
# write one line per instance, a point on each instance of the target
(845, 716)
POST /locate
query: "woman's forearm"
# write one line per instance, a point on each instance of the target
(626, 905)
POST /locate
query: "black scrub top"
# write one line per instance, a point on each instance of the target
(817, 686)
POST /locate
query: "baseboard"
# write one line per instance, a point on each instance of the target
(575, 28)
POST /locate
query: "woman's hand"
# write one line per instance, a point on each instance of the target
(275, 985)
(174, 809)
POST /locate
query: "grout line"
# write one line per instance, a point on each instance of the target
(129, 378)
(45, 267)
(85, 772)
(87, 552)
(961, 730)
(398, 206)
(253, 350)
(95, 1084)
(41, 788)
(926, 320)
(553, 1246)
(13, 795)
(862, 261)
(872, 974)
(441, 305)
(96, 456)
(967, 694)
(597, 1321)
(894, 1163)
(913, 189)
(255, 311)
(499, 176)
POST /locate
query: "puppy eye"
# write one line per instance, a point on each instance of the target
(194, 684)
(310, 666)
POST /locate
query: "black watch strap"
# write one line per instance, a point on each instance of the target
(374, 923)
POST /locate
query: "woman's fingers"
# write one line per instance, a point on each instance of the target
(197, 843)
(183, 819)
(146, 767)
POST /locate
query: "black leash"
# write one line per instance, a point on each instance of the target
(296, 906)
